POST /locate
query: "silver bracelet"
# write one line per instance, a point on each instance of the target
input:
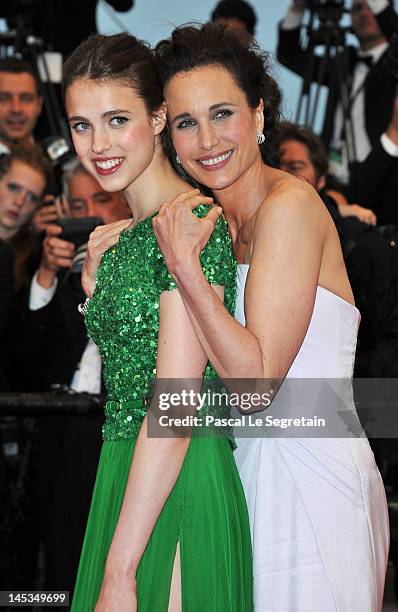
(82, 308)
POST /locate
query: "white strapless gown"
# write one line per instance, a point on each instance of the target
(317, 507)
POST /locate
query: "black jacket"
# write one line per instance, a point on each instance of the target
(371, 258)
(55, 336)
(6, 301)
(70, 444)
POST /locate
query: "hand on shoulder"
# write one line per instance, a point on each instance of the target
(182, 235)
(101, 239)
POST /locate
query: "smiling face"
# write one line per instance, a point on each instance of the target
(20, 192)
(112, 131)
(20, 106)
(88, 199)
(214, 130)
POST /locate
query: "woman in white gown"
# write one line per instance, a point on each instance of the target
(317, 506)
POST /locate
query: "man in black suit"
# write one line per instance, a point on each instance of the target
(374, 107)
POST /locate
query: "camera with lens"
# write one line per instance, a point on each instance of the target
(327, 10)
(316, 5)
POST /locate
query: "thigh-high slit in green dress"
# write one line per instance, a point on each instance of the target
(206, 511)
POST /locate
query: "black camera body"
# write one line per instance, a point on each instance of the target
(78, 230)
(328, 11)
(316, 5)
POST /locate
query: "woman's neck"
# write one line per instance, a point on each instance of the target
(157, 184)
(241, 200)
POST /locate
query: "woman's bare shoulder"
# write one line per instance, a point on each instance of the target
(292, 200)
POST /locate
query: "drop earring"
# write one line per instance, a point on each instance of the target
(260, 138)
(178, 160)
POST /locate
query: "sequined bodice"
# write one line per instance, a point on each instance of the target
(123, 314)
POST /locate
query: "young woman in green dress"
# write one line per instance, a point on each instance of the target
(168, 527)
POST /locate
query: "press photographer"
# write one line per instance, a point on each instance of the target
(21, 103)
(371, 90)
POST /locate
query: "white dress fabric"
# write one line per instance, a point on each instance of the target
(317, 506)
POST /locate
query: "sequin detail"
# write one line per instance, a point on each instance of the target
(123, 314)
(124, 419)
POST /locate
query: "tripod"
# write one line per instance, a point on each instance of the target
(331, 68)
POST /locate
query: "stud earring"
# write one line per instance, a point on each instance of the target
(260, 138)
(178, 159)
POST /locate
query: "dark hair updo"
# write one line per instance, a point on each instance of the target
(120, 59)
(211, 44)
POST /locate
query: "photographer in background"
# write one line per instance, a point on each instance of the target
(24, 174)
(373, 104)
(20, 103)
(63, 355)
(85, 198)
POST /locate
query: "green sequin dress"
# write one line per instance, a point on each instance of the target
(206, 511)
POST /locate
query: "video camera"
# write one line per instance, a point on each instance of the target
(316, 4)
(327, 10)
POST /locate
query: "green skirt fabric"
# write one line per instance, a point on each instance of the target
(206, 512)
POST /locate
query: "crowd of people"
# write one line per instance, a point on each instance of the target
(44, 344)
